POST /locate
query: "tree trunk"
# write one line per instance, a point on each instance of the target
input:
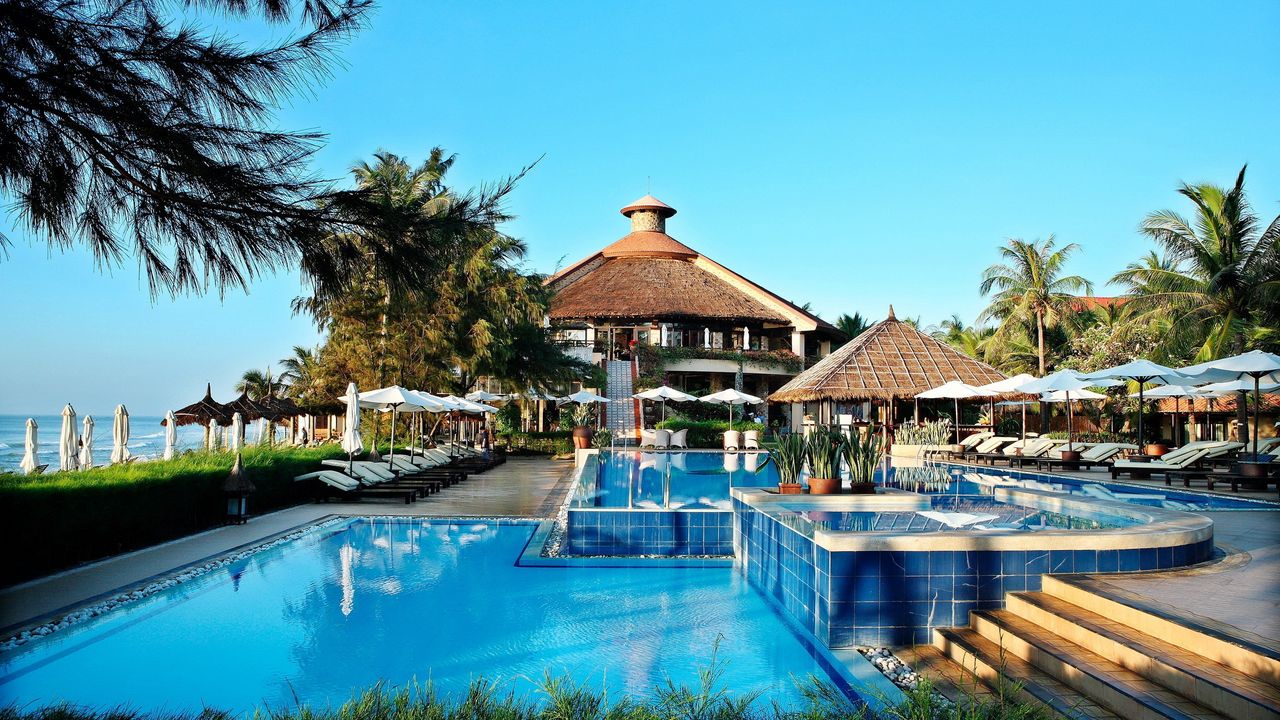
(1242, 404)
(1044, 411)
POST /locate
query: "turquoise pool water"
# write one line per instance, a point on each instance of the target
(375, 600)
(674, 480)
(952, 513)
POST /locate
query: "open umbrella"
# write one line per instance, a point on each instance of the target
(393, 399)
(120, 436)
(1258, 365)
(1067, 381)
(1177, 392)
(1071, 396)
(483, 396)
(583, 396)
(957, 391)
(1142, 372)
(86, 443)
(31, 444)
(236, 444)
(351, 442)
(68, 448)
(170, 434)
(662, 395)
(731, 397)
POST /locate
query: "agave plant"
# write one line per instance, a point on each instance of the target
(863, 454)
(824, 450)
(788, 455)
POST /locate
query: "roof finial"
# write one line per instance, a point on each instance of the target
(891, 315)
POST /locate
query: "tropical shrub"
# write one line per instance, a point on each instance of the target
(863, 452)
(824, 448)
(788, 454)
(91, 514)
(932, 432)
(602, 439)
(558, 442)
(707, 433)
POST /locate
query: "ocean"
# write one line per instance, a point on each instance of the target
(146, 437)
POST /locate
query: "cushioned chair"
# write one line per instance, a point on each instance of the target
(751, 440)
(648, 438)
(662, 439)
(680, 438)
(732, 439)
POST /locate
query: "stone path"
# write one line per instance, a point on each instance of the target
(521, 487)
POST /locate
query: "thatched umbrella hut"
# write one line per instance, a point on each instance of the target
(202, 411)
(250, 409)
(890, 361)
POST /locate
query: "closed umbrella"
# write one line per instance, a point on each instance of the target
(86, 443)
(120, 436)
(31, 443)
(1257, 365)
(170, 434)
(351, 442)
(68, 448)
(236, 443)
(956, 391)
(1142, 372)
(729, 398)
(212, 435)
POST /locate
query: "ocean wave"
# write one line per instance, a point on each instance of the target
(3, 446)
(152, 435)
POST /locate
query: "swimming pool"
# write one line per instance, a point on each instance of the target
(950, 513)
(370, 600)
(672, 480)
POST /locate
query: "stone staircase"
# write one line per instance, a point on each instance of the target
(1089, 653)
(620, 418)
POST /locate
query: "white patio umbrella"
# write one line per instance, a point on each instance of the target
(86, 443)
(68, 448)
(120, 436)
(583, 396)
(170, 434)
(1008, 385)
(392, 399)
(1177, 392)
(1258, 365)
(483, 396)
(1071, 396)
(956, 391)
(236, 443)
(1141, 371)
(662, 395)
(351, 442)
(729, 398)
(1067, 381)
(31, 443)
(213, 436)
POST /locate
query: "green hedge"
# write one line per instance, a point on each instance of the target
(708, 433)
(62, 519)
(557, 442)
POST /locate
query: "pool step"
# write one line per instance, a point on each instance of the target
(1254, 657)
(1208, 683)
(1021, 680)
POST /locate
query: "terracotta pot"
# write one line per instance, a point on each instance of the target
(1071, 455)
(824, 486)
(582, 437)
(1254, 469)
(863, 488)
(788, 488)
(1155, 449)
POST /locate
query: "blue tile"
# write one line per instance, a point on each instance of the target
(989, 562)
(1086, 561)
(842, 563)
(1130, 560)
(1013, 562)
(1165, 557)
(1037, 562)
(965, 589)
(991, 589)
(866, 588)
(943, 562)
(1015, 583)
(1148, 559)
(893, 563)
(1061, 561)
(1181, 555)
(917, 563)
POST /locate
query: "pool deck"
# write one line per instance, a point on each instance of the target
(521, 487)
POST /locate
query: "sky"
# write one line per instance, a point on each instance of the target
(850, 155)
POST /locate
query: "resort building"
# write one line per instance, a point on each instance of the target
(676, 316)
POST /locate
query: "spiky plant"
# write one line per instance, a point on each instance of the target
(824, 449)
(788, 455)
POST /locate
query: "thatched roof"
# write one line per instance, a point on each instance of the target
(249, 409)
(656, 288)
(890, 360)
(202, 411)
(282, 407)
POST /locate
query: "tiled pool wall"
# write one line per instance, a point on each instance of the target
(848, 598)
(590, 531)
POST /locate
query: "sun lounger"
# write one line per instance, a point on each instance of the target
(1033, 448)
(376, 474)
(988, 445)
(332, 483)
(680, 439)
(1180, 459)
(732, 440)
(968, 444)
(751, 440)
(1102, 454)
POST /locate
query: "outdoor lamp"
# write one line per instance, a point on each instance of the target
(236, 489)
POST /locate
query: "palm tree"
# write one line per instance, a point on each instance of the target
(968, 339)
(1218, 283)
(1030, 290)
(259, 384)
(852, 325)
(1218, 287)
(301, 372)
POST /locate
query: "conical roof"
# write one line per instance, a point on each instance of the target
(203, 410)
(649, 202)
(249, 409)
(890, 360)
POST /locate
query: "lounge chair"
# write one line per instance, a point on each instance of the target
(1011, 451)
(1193, 455)
(405, 467)
(989, 445)
(332, 483)
(1034, 450)
(662, 439)
(376, 474)
(648, 438)
(732, 440)
(680, 439)
(1101, 454)
(968, 443)
(751, 440)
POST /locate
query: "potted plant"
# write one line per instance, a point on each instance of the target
(862, 455)
(602, 439)
(824, 449)
(581, 432)
(788, 455)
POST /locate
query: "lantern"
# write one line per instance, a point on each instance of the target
(236, 490)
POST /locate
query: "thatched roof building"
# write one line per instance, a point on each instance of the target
(203, 410)
(889, 361)
(249, 409)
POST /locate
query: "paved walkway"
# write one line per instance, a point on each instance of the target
(521, 487)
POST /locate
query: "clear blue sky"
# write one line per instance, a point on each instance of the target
(848, 156)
